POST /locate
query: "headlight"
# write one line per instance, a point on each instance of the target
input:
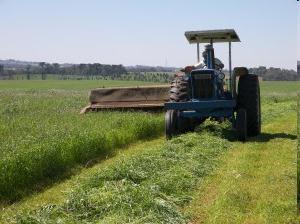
(221, 75)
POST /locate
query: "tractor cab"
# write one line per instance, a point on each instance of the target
(207, 82)
(200, 93)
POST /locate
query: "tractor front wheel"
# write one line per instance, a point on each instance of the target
(170, 123)
(180, 92)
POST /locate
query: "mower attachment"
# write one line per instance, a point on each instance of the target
(146, 98)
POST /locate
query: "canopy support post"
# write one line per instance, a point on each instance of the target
(231, 78)
(198, 53)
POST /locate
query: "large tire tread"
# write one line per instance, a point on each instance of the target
(249, 98)
(180, 91)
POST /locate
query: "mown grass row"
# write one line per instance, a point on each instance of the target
(153, 186)
(149, 187)
(42, 136)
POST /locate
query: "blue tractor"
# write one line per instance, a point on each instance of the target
(199, 92)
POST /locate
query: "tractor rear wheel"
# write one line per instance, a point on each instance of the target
(248, 98)
(241, 124)
(180, 90)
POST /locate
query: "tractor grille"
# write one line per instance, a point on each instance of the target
(203, 86)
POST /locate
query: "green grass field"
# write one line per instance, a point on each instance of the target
(298, 156)
(65, 84)
(202, 177)
(281, 88)
(42, 134)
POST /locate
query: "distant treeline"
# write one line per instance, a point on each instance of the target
(148, 76)
(86, 71)
(83, 70)
(119, 72)
(275, 74)
(143, 68)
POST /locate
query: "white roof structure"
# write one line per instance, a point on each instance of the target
(216, 36)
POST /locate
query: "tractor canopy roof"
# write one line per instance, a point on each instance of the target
(209, 36)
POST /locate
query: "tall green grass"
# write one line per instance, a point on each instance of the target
(42, 136)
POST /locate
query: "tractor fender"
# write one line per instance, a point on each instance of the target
(240, 71)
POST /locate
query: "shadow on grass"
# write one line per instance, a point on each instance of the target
(228, 133)
(49, 182)
(231, 136)
(222, 130)
(66, 174)
(265, 137)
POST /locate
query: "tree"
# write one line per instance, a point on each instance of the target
(42, 67)
(56, 67)
(83, 69)
(48, 68)
(1, 70)
(28, 67)
(11, 74)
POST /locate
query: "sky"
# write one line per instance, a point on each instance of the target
(132, 32)
(298, 31)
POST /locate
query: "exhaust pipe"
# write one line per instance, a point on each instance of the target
(210, 56)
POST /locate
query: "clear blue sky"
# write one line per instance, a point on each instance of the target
(134, 32)
(298, 33)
